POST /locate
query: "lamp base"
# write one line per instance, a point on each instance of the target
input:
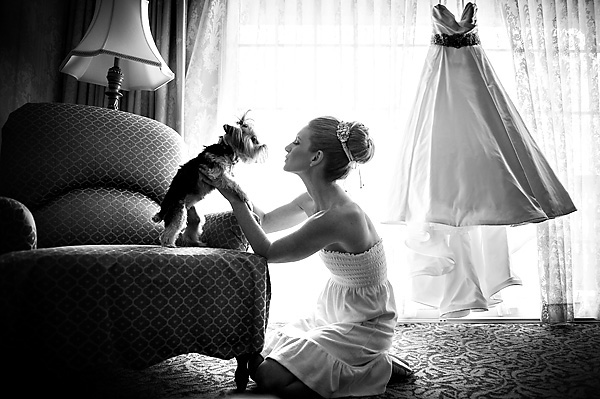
(115, 79)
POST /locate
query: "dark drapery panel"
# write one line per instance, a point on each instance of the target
(44, 32)
(32, 48)
(80, 15)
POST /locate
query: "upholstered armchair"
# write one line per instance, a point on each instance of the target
(83, 281)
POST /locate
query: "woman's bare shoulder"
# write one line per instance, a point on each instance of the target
(354, 228)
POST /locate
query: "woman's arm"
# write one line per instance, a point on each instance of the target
(286, 216)
(319, 231)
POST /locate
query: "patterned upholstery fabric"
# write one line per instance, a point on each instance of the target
(98, 290)
(59, 147)
(131, 305)
(51, 149)
(18, 227)
(221, 230)
(111, 216)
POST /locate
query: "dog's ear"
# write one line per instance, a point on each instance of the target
(261, 153)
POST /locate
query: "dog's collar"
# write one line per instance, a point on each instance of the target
(228, 150)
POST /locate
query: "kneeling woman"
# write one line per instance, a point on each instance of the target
(342, 349)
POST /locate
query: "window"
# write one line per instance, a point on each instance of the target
(290, 61)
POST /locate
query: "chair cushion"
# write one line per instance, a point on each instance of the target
(101, 216)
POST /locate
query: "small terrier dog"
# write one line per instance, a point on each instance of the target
(188, 186)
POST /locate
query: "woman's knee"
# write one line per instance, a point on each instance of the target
(255, 361)
(272, 376)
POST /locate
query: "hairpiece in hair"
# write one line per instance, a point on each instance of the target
(244, 121)
(343, 134)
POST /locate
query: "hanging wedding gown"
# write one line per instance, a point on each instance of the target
(468, 168)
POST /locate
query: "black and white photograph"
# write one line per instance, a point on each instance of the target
(279, 199)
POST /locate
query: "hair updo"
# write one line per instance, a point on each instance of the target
(324, 137)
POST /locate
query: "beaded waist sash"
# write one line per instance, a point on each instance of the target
(457, 41)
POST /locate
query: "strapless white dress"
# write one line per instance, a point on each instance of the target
(341, 349)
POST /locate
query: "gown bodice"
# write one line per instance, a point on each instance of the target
(445, 22)
(357, 270)
(449, 32)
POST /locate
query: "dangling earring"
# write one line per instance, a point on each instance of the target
(360, 184)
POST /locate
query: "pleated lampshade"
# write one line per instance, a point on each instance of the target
(119, 35)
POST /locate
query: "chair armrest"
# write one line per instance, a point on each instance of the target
(18, 230)
(221, 230)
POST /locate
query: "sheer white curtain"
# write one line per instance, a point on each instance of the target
(204, 71)
(292, 60)
(555, 51)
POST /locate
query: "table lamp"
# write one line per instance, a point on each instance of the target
(119, 41)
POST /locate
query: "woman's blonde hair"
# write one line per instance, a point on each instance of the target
(325, 138)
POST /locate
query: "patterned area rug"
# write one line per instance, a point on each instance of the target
(451, 361)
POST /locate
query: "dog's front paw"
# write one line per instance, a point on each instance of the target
(229, 184)
(190, 241)
(167, 244)
(237, 190)
(195, 243)
(242, 195)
